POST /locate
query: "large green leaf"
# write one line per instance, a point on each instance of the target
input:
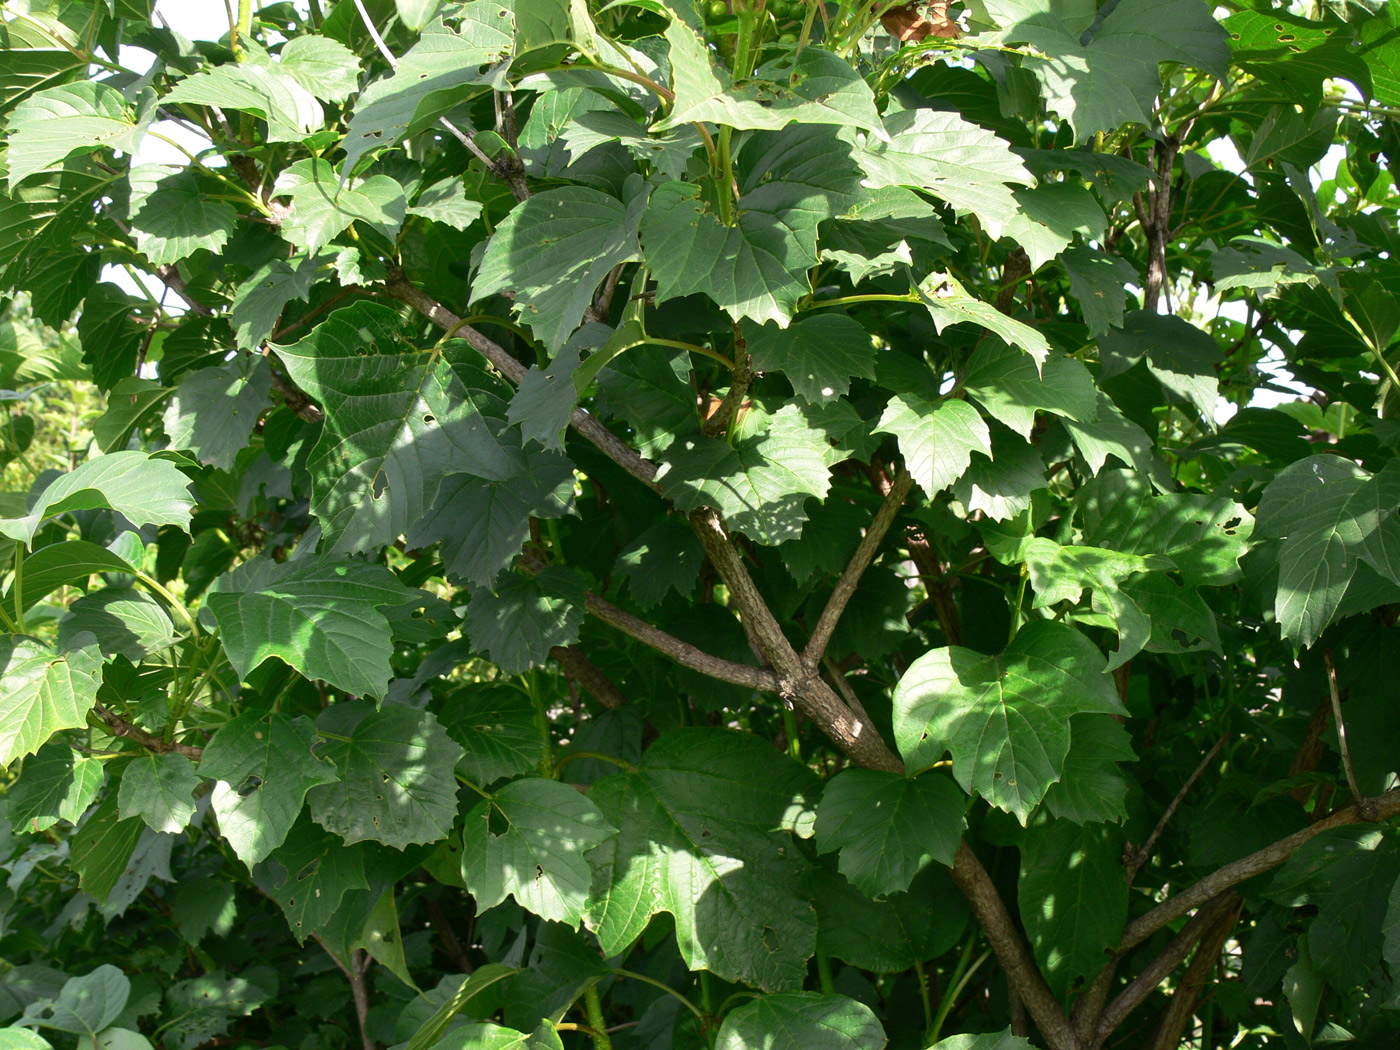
(518, 622)
(309, 875)
(554, 249)
(86, 1005)
(396, 783)
(1009, 386)
(759, 483)
(789, 181)
(1099, 73)
(397, 422)
(527, 841)
(937, 440)
(1004, 719)
(56, 122)
(214, 410)
(319, 615)
(1062, 574)
(322, 207)
(887, 827)
(278, 96)
(1092, 787)
(436, 75)
(801, 1021)
(1294, 56)
(264, 766)
(57, 783)
(327, 69)
(42, 691)
(124, 621)
(819, 355)
(160, 790)
(1049, 217)
(948, 303)
(950, 157)
(261, 299)
(703, 828)
(147, 491)
(1073, 897)
(1003, 1040)
(483, 524)
(1182, 357)
(173, 216)
(820, 87)
(1329, 514)
(495, 724)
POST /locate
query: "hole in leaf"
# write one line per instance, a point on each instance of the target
(771, 940)
(496, 822)
(251, 784)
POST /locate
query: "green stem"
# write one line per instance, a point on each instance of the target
(958, 982)
(19, 588)
(245, 18)
(611, 759)
(176, 606)
(1016, 605)
(594, 1008)
(824, 973)
(923, 996)
(532, 688)
(725, 180)
(694, 348)
(707, 1003)
(466, 783)
(667, 989)
(844, 300)
(794, 745)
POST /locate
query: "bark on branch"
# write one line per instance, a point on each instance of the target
(120, 727)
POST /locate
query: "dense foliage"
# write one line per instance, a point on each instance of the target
(651, 525)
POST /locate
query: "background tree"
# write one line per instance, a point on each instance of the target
(654, 526)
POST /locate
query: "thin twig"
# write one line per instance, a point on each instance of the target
(1188, 993)
(855, 568)
(1336, 697)
(722, 418)
(1140, 855)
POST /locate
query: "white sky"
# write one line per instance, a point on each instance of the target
(208, 20)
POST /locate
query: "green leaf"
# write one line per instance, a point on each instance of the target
(214, 410)
(1111, 434)
(321, 616)
(1004, 719)
(434, 77)
(264, 766)
(309, 875)
(524, 617)
(22, 1038)
(1182, 357)
(110, 336)
(554, 249)
(396, 784)
(495, 725)
(801, 1021)
(431, 1031)
(789, 181)
(759, 483)
(1011, 389)
(327, 69)
(43, 691)
(1073, 898)
(277, 95)
(937, 440)
(988, 1041)
(131, 403)
(1049, 217)
(819, 88)
(1329, 514)
(102, 848)
(890, 935)
(446, 202)
(160, 790)
(87, 1004)
(666, 557)
(124, 621)
(57, 783)
(1294, 56)
(527, 841)
(1101, 73)
(952, 158)
(1092, 788)
(322, 207)
(73, 118)
(483, 524)
(1000, 486)
(397, 422)
(416, 14)
(1097, 280)
(147, 491)
(888, 827)
(948, 303)
(173, 217)
(702, 835)
(819, 355)
(1062, 574)
(262, 297)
